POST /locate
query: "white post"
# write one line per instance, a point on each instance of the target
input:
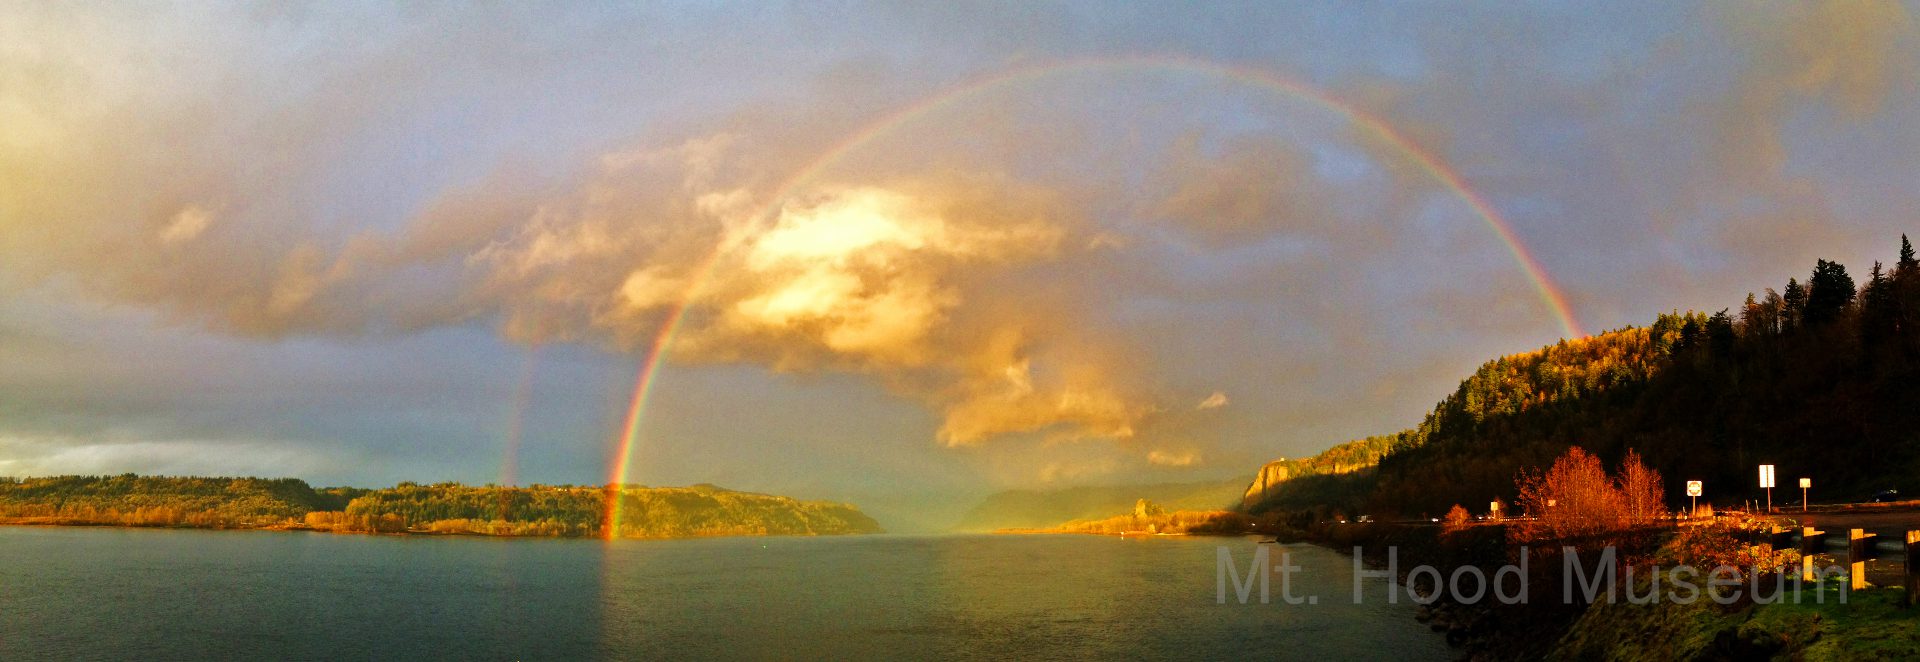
(1766, 482)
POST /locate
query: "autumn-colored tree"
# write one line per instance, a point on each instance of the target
(1572, 498)
(1457, 518)
(1640, 490)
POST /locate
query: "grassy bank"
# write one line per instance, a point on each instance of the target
(1743, 624)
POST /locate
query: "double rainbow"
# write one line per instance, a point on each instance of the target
(1549, 294)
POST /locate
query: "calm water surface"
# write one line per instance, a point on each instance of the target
(79, 593)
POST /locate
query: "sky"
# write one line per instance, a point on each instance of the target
(904, 254)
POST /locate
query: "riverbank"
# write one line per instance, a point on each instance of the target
(1807, 620)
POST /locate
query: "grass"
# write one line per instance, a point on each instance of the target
(1870, 625)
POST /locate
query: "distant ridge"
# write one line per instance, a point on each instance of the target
(442, 508)
(1038, 509)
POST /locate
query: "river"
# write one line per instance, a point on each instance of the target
(106, 593)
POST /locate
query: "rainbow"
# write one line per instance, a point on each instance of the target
(1549, 294)
(517, 418)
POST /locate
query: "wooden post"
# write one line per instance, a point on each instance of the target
(1859, 549)
(1913, 569)
(1779, 537)
(1810, 545)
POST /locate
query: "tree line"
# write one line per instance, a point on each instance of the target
(1818, 377)
(539, 510)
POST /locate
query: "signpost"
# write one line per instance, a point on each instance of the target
(1693, 490)
(1494, 508)
(1766, 481)
(1804, 484)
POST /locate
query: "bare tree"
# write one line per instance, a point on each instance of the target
(1574, 497)
(1640, 487)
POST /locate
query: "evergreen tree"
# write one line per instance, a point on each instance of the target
(1793, 305)
(1829, 293)
(1902, 295)
(1720, 336)
(1877, 315)
(1690, 334)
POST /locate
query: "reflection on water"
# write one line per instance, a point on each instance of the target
(68, 593)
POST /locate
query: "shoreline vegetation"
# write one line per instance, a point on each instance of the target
(1821, 378)
(290, 504)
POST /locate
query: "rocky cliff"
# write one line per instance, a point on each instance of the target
(1270, 476)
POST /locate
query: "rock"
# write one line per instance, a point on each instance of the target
(1270, 476)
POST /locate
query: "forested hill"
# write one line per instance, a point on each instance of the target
(286, 503)
(1820, 378)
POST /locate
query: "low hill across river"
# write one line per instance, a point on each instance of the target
(448, 508)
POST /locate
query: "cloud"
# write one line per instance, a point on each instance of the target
(43, 455)
(907, 280)
(1075, 471)
(1215, 401)
(189, 223)
(997, 260)
(1851, 55)
(1173, 458)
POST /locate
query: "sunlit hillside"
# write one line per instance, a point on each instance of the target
(1819, 379)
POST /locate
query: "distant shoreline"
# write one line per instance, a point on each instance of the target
(34, 522)
(288, 504)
